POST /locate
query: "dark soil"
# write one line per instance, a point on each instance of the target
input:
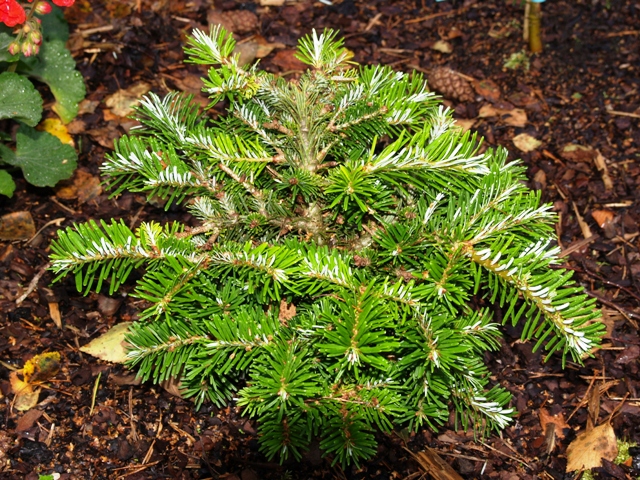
(583, 89)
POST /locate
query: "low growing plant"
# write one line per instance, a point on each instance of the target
(351, 245)
(31, 47)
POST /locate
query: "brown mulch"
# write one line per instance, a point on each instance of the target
(583, 89)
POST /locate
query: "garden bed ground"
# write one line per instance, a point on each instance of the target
(584, 89)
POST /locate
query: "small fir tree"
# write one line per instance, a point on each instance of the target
(351, 246)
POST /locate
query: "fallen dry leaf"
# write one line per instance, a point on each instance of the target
(520, 99)
(609, 318)
(82, 186)
(17, 226)
(41, 367)
(76, 127)
(541, 178)
(104, 135)
(87, 106)
(577, 153)
(217, 17)
(265, 47)
(173, 386)
(190, 83)
(487, 111)
(125, 379)
(54, 311)
(255, 47)
(25, 396)
(455, 32)
(110, 346)
(463, 124)
(28, 420)
(55, 127)
(488, 89)
(286, 60)
(557, 421)
(602, 217)
(35, 371)
(109, 306)
(248, 52)
(589, 448)
(515, 117)
(122, 102)
(442, 46)
(526, 143)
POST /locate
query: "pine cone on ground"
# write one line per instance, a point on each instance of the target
(235, 21)
(449, 84)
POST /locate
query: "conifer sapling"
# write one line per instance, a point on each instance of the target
(350, 249)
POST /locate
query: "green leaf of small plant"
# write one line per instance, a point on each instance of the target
(44, 160)
(19, 99)
(53, 476)
(7, 185)
(56, 67)
(54, 26)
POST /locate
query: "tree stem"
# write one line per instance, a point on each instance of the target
(535, 41)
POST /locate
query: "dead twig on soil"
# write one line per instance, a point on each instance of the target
(373, 22)
(590, 397)
(132, 422)
(578, 245)
(624, 114)
(91, 31)
(435, 15)
(55, 222)
(95, 392)
(626, 313)
(137, 469)
(600, 279)
(516, 459)
(623, 33)
(62, 206)
(434, 465)
(584, 226)
(33, 283)
(617, 408)
(149, 452)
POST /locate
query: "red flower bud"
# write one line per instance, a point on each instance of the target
(43, 8)
(12, 13)
(28, 49)
(14, 48)
(64, 3)
(35, 37)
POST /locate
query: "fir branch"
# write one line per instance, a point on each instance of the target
(323, 266)
(569, 319)
(335, 127)
(242, 181)
(95, 253)
(171, 117)
(323, 52)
